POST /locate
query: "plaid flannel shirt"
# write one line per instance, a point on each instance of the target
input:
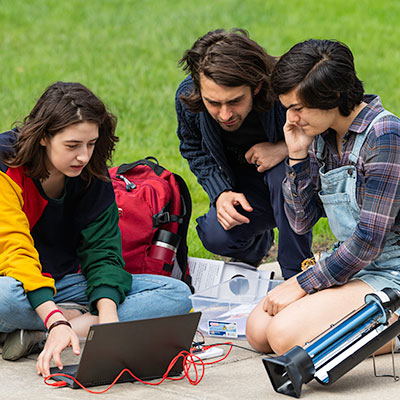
(377, 194)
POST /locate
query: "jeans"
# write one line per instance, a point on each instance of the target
(150, 296)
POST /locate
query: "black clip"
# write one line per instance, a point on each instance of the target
(161, 219)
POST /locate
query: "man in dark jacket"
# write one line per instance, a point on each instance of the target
(230, 131)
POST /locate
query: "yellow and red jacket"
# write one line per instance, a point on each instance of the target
(44, 239)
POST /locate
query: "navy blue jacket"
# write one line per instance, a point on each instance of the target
(201, 144)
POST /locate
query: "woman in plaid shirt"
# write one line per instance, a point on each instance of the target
(344, 164)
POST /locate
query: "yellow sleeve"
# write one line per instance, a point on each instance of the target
(19, 258)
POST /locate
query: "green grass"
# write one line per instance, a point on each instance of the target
(126, 51)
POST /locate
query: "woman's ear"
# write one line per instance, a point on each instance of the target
(43, 142)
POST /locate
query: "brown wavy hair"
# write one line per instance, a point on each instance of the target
(61, 105)
(229, 59)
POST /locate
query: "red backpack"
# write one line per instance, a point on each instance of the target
(154, 207)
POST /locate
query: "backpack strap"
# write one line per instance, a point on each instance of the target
(182, 253)
(150, 161)
(164, 216)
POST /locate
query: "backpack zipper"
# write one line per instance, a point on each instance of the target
(128, 185)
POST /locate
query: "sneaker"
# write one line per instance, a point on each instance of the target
(21, 343)
(3, 337)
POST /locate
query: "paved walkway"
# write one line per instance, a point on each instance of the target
(240, 376)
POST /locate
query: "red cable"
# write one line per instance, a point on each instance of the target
(189, 360)
(220, 359)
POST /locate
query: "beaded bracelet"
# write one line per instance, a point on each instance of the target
(60, 322)
(49, 315)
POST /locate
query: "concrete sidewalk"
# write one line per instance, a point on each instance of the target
(240, 376)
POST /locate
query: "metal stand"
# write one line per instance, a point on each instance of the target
(394, 375)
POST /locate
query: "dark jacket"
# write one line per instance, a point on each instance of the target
(201, 144)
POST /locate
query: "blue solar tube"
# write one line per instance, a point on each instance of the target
(337, 350)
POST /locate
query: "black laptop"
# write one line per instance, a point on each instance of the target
(146, 347)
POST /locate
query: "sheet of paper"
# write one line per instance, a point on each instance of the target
(205, 273)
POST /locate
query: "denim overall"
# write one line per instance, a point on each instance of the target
(338, 195)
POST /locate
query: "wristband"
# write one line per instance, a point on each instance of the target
(49, 315)
(297, 159)
(60, 322)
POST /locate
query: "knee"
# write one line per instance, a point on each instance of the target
(154, 296)
(10, 289)
(255, 335)
(213, 245)
(270, 334)
(256, 329)
(214, 238)
(182, 289)
(281, 336)
(181, 293)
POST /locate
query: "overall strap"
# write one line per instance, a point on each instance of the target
(320, 153)
(360, 138)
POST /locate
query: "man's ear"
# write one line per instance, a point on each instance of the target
(257, 89)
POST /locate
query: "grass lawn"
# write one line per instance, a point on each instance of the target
(126, 51)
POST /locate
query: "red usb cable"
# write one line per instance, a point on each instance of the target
(190, 361)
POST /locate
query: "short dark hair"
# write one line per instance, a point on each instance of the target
(229, 59)
(61, 105)
(324, 73)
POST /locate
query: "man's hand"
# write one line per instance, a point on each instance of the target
(283, 295)
(266, 155)
(227, 214)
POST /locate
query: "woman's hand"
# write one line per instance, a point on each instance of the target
(296, 139)
(107, 311)
(59, 338)
(283, 295)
